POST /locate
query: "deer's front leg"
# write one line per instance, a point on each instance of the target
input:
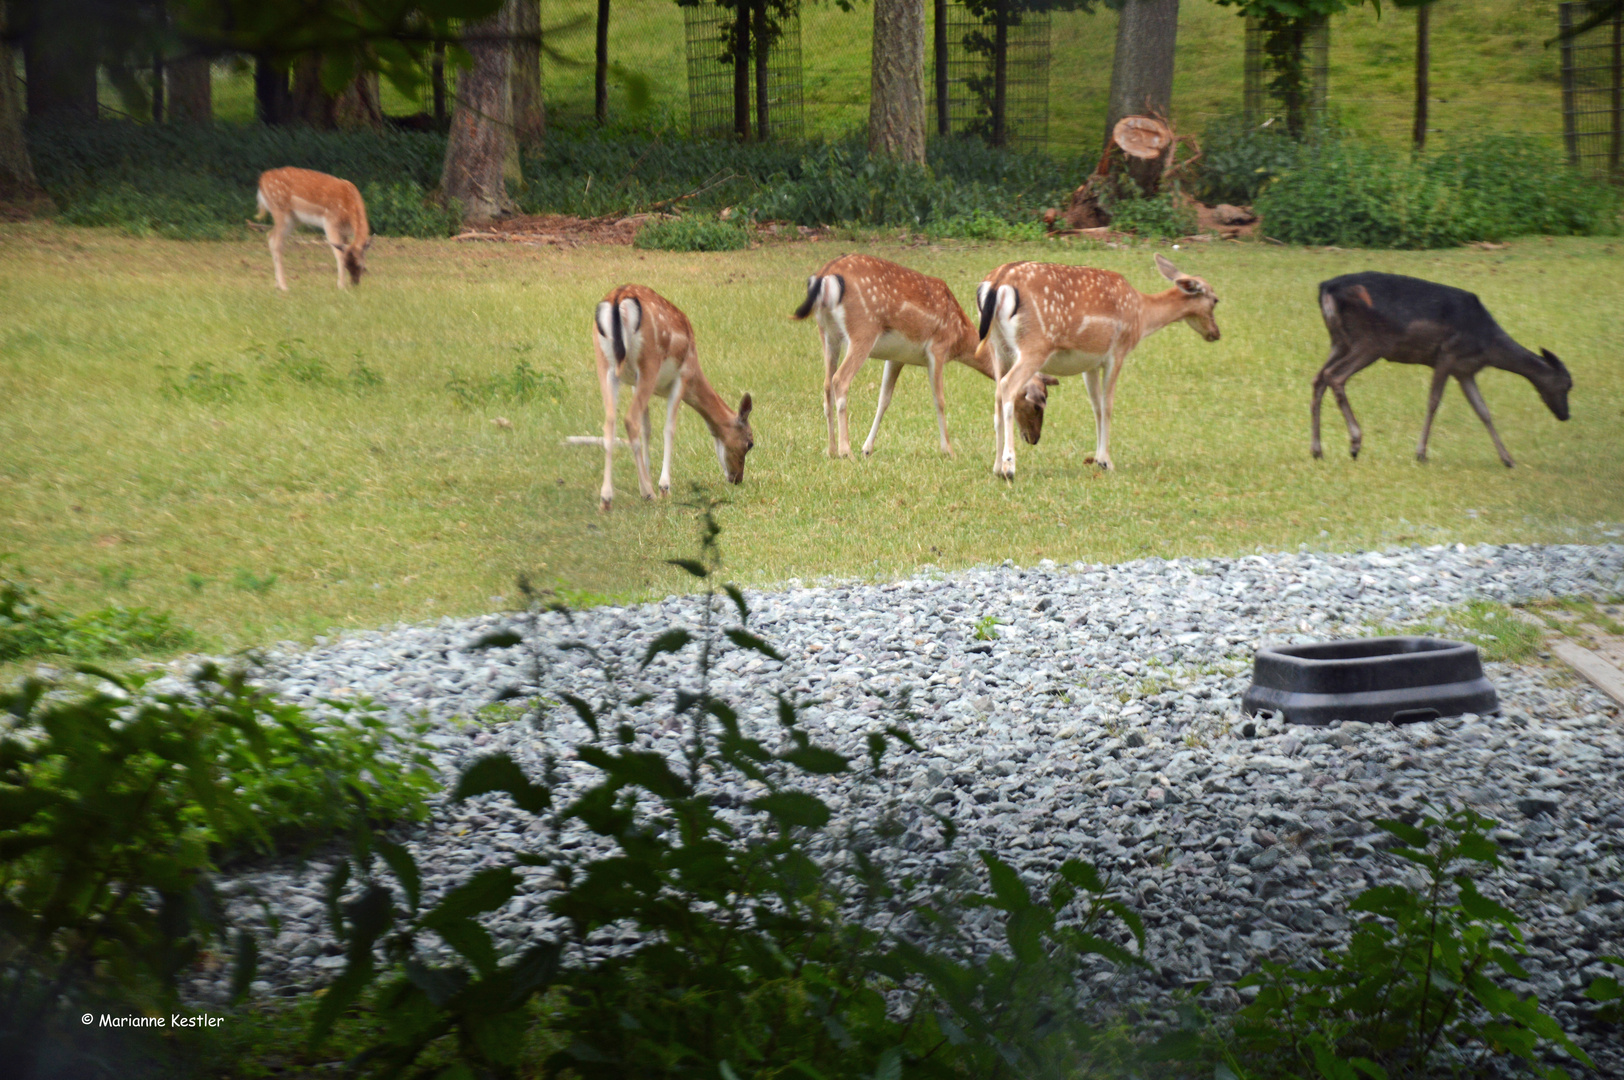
(1440, 378)
(1021, 372)
(671, 413)
(609, 384)
(888, 386)
(1096, 401)
(1468, 386)
(936, 358)
(1102, 451)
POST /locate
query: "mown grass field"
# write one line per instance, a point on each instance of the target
(290, 507)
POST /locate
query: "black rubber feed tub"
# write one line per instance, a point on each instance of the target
(1388, 680)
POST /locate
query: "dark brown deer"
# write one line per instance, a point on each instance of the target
(1407, 320)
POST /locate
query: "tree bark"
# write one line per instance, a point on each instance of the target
(741, 70)
(1000, 74)
(944, 122)
(600, 76)
(437, 79)
(191, 95)
(1142, 75)
(158, 79)
(273, 100)
(1423, 61)
(896, 109)
(476, 154)
(529, 110)
(356, 106)
(17, 183)
(764, 48)
(59, 53)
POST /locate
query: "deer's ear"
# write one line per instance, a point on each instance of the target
(368, 245)
(1165, 265)
(1189, 286)
(745, 405)
(336, 247)
(1048, 380)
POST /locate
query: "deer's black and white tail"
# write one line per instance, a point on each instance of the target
(1001, 300)
(617, 321)
(828, 291)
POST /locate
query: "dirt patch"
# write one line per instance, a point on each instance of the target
(561, 230)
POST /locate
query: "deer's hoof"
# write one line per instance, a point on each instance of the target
(603, 506)
(1317, 453)
(665, 490)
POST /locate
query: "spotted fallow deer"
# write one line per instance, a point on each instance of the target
(1373, 316)
(874, 307)
(304, 197)
(1070, 320)
(642, 338)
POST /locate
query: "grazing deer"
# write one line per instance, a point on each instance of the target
(643, 338)
(1068, 320)
(301, 196)
(874, 307)
(1374, 316)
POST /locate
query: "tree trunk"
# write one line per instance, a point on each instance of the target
(273, 100)
(944, 122)
(896, 103)
(600, 77)
(191, 96)
(529, 110)
(17, 183)
(1000, 73)
(158, 78)
(741, 70)
(437, 80)
(1423, 61)
(764, 47)
(476, 154)
(1142, 75)
(356, 106)
(60, 58)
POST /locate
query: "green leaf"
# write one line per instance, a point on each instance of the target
(889, 1066)
(794, 808)
(400, 861)
(746, 640)
(695, 568)
(471, 940)
(584, 711)
(497, 639)
(815, 759)
(1082, 874)
(499, 772)
(737, 596)
(340, 995)
(246, 965)
(1006, 883)
(485, 891)
(668, 642)
(1409, 834)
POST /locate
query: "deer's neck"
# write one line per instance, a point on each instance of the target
(702, 396)
(1507, 355)
(1157, 310)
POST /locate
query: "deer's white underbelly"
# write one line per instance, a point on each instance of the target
(894, 346)
(313, 220)
(1072, 362)
(665, 377)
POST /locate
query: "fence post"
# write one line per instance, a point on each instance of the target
(1570, 133)
(1618, 95)
(944, 125)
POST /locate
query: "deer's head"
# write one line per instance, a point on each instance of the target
(1030, 405)
(355, 259)
(1199, 298)
(734, 439)
(1554, 384)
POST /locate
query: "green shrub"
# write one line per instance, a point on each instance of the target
(30, 626)
(115, 804)
(402, 208)
(692, 234)
(1417, 992)
(983, 225)
(1354, 195)
(521, 386)
(1238, 161)
(1160, 216)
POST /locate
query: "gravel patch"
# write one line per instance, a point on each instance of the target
(1102, 722)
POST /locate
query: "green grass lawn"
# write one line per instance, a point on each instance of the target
(1490, 71)
(397, 502)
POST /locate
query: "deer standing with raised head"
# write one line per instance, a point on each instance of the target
(1373, 316)
(1069, 320)
(305, 197)
(642, 338)
(874, 307)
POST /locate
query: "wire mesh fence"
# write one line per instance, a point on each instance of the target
(972, 97)
(775, 106)
(1593, 91)
(1287, 72)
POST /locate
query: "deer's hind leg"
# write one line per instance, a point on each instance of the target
(281, 225)
(857, 350)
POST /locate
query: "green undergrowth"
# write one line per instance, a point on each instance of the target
(30, 626)
(1493, 627)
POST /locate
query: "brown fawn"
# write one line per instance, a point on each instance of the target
(304, 197)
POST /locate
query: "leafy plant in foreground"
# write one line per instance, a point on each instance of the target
(114, 806)
(767, 943)
(30, 626)
(1416, 993)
